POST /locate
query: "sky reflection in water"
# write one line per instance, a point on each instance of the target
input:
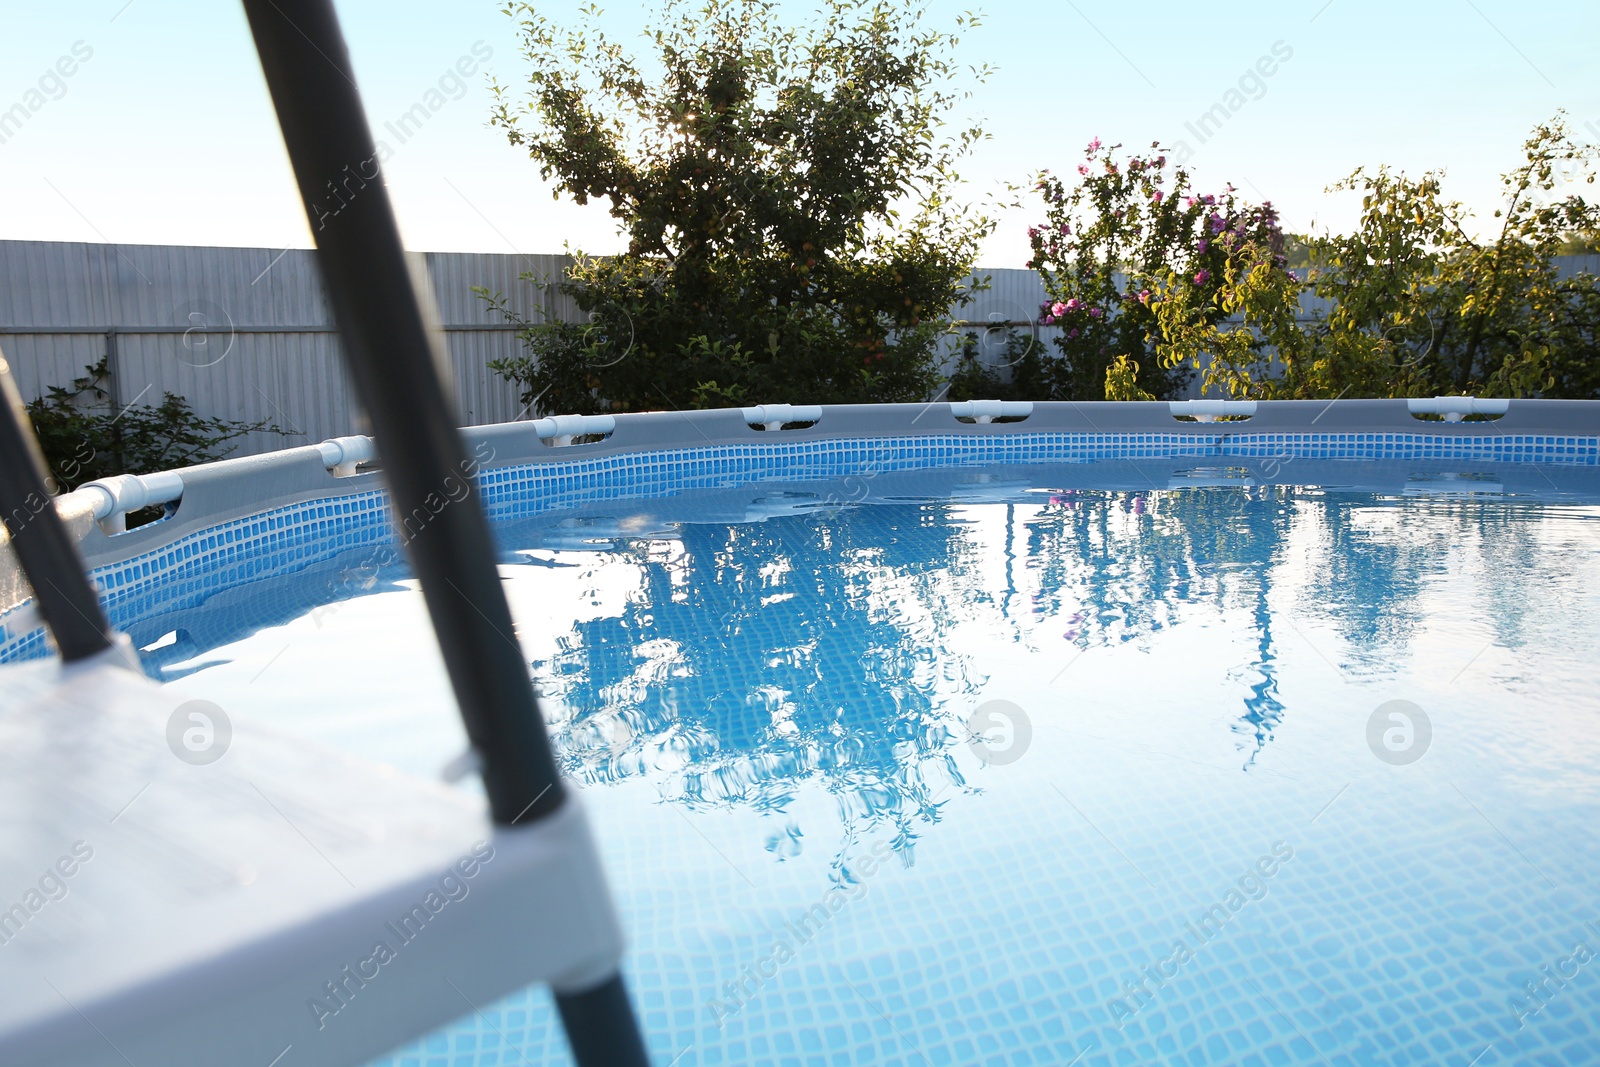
(760, 689)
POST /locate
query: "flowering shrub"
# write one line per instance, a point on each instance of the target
(1152, 282)
(1419, 307)
(1110, 243)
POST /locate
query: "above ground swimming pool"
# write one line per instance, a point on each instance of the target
(996, 744)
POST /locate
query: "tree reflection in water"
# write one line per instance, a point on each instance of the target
(1130, 561)
(752, 658)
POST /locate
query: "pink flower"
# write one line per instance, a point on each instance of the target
(1083, 169)
(1048, 320)
(1157, 195)
(1095, 313)
(1188, 201)
(1033, 233)
(1072, 333)
(1072, 304)
(1201, 277)
(1094, 146)
(1058, 309)
(1161, 161)
(1144, 296)
(1065, 228)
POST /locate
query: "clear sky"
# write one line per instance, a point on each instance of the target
(165, 134)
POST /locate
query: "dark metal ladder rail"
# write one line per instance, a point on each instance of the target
(66, 600)
(398, 375)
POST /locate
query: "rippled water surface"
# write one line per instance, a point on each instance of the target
(998, 769)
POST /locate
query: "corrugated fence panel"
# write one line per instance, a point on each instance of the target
(244, 333)
(159, 286)
(285, 288)
(455, 274)
(1009, 303)
(40, 361)
(311, 395)
(1012, 296)
(482, 396)
(1567, 266)
(293, 381)
(47, 284)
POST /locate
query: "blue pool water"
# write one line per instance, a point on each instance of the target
(1029, 765)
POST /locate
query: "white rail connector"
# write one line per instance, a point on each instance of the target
(1211, 410)
(984, 412)
(114, 497)
(342, 454)
(773, 416)
(559, 430)
(1455, 408)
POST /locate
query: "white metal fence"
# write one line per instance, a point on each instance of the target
(244, 333)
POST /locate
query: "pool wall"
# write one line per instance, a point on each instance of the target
(243, 520)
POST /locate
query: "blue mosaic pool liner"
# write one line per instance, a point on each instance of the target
(287, 539)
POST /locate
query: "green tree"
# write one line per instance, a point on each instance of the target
(787, 195)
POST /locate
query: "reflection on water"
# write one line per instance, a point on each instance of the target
(836, 646)
(1200, 654)
(749, 658)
